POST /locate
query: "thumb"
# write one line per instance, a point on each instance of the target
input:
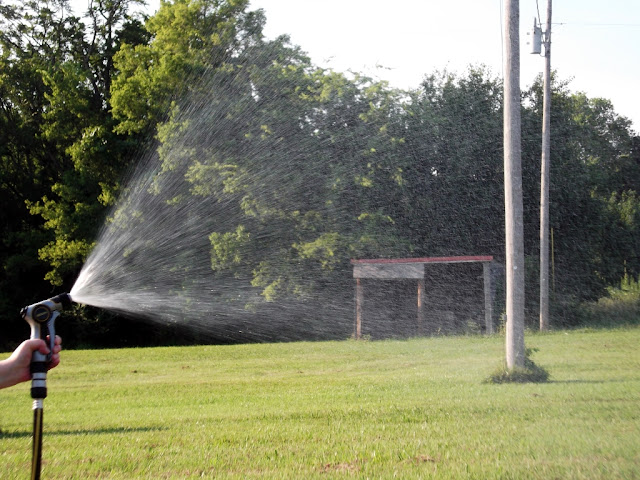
(37, 345)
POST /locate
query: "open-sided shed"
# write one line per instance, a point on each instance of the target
(414, 268)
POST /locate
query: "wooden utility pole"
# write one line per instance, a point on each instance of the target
(514, 236)
(544, 178)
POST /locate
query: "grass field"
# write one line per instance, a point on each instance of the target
(405, 409)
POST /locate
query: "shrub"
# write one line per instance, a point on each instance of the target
(620, 307)
(530, 373)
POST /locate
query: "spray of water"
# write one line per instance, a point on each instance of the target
(241, 222)
(154, 257)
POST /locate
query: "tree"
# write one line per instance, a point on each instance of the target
(287, 170)
(592, 147)
(59, 146)
(255, 112)
(79, 118)
(454, 175)
(34, 37)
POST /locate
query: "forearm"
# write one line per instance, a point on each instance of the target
(10, 375)
(15, 369)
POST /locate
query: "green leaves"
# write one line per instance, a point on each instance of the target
(323, 249)
(228, 249)
(304, 167)
(65, 257)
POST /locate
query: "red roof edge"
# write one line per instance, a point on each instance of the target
(455, 259)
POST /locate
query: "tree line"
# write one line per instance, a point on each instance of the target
(314, 167)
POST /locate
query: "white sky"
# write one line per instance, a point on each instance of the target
(595, 43)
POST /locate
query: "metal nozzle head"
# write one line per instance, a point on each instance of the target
(41, 312)
(41, 317)
(63, 299)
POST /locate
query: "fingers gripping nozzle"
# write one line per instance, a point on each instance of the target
(41, 318)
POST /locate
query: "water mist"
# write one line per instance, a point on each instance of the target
(154, 257)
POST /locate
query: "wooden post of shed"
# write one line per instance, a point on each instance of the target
(420, 309)
(357, 331)
(488, 297)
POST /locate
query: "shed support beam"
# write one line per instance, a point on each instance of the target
(357, 331)
(488, 298)
(420, 306)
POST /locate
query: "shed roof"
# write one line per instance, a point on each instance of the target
(455, 259)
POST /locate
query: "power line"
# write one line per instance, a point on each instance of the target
(588, 24)
(502, 42)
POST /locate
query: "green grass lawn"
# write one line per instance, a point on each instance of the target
(405, 409)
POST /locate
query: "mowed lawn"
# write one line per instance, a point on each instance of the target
(369, 409)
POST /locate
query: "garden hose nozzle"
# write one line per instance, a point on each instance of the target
(41, 317)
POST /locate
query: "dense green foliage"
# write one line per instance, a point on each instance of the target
(318, 410)
(621, 306)
(315, 167)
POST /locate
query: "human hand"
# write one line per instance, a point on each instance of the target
(15, 369)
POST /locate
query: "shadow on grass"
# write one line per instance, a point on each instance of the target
(619, 380)
(97, 431)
